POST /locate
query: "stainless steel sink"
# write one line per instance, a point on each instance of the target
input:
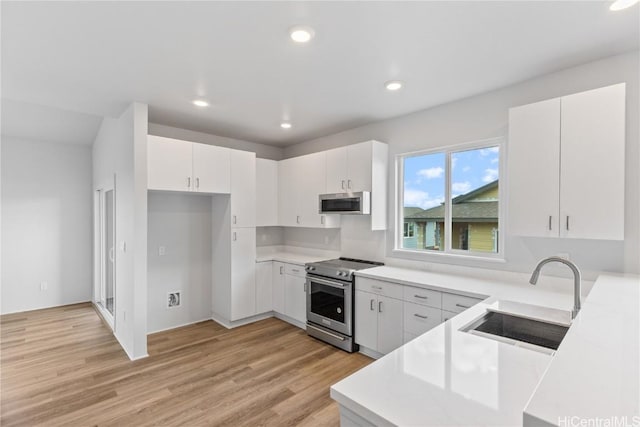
(515, 329)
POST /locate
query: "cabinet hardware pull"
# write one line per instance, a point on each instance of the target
(234, 236)
(421, 296)
(188, 182)
(295, 270)
(567, 222)
(305, 287)
(349, 184)
(462, 306)
(322, 220)
(420, 316)
(379, 306)
(298, 219)
(550, 218)
(343, 184)
(235, 220)
(371, 306)
(376, 287)
(281, 269)
(197, 182)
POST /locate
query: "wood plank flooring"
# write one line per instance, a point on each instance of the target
(62, 366)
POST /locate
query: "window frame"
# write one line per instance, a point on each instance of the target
(448, 251)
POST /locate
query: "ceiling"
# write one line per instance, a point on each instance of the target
(66, 64)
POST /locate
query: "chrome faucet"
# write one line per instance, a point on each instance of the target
(577, 281)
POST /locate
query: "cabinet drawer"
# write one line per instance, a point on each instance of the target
(379, 287)
(294, 270)
(418, 319)
(447, 315)
(423, 296)
(458, 303)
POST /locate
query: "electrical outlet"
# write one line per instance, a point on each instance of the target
(173, 299)
(43, 286)
(162, 250)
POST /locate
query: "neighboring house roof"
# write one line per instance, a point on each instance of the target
(462, 212)
(465, 208)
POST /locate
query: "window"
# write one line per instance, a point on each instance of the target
(450, 200)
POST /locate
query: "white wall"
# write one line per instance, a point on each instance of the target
(181, 223)
(486, 116)
(120, 149)
(261, 150)
(46, 224)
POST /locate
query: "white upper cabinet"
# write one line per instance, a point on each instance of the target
(266, 192)
(592, 164)
(169, 164)
(176, 165)
(534, 169)
(349, 168)
(300, 181)
(211, 169)
(243, 188)
(566, 166)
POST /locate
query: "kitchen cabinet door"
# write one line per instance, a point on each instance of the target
(266, 193)
(366, 319)
(295, 298)
(390, 314)
(278, 287)
(336, 171)
(534, 169)
(264, 287)
(243, 273)
(287, 192)
(169, 164)
(211, 169)
(592, 164)
(243, 189)
(312, 183)
(359, 167)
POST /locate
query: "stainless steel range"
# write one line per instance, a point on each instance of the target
(330, 296)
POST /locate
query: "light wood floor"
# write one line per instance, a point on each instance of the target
(62, 366)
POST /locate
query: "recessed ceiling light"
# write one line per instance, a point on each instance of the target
(285, 125)
(301, 34)
(200, 103)
(622, 4)
(393, 85)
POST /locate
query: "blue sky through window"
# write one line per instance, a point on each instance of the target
(424, 176)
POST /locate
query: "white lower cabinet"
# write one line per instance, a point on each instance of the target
(289, 297)
(264, 287)
(378, 322)
(388, 315)
(295, 299)
(277, 296)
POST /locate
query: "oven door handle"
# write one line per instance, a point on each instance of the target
(326, 282)
(338, 337)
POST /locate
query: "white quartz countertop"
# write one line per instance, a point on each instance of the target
(560, 297)
(449, 377)
(292, 255)
(595, 374)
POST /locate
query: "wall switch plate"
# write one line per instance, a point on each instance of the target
(43, 286)
(162, 250)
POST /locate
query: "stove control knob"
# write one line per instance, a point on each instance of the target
(339, 273)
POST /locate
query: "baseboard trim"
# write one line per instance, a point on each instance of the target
(290, 320)
(230, 324)
(178, 326)
(370, 353)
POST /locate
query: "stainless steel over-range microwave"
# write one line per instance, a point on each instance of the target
(345, 203)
